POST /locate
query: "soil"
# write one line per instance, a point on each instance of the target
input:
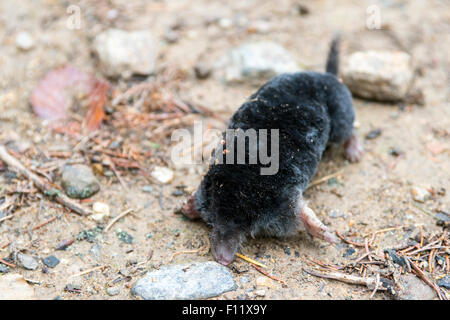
(371, 195)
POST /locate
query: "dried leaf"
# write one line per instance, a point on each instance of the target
(53, 97)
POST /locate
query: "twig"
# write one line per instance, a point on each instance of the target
(323, 179)
(268, 275)
(5, 244)
(347, 278)
(349, 241)
(87, 271)
(425, 279)
(185, 251)
(376, 286)
(123, 214)
(44, 223)
(58, 196)
(12, 265)
(250, 260)
(13, 215)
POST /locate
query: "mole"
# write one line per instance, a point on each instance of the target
(300, 114)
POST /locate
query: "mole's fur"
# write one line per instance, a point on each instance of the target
(310, 110)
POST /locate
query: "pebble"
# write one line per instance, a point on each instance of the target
(124, 53)
(444, 282)
(260, 26)
(100, 212)
(50, 261)
(3, 268)
(15, 287)
(24, 41)
(412, 288)
(113, 291)
(171, 36)
(95, 252)
(147, 189)
(243, 280)
(254, 62)
(125, 237)
(420, 194)
(199, 280)
(378, 75)
(79, 181)
(162, 174)
(260, 293)
(202, 71)
(27, 262)
(373, 134)
(264, 282)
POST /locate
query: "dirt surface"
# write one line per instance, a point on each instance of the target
(368, 196)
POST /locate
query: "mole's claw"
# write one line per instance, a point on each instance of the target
(314, 226)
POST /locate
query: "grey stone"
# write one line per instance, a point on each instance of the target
(255, 62)
(50, 261)
(124, 53)
(444, 282)
(26, 261)
(378, 75)
(188, 281)
(3, 268)
(412, 288)
(113, 291)
(95, 252)
(79, 181)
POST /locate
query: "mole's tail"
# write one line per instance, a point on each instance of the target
(333, 56)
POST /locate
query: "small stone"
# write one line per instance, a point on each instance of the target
(171, 36)
(444, 282)
(264, 282)
(412, 288)
(375, 133)
(302, 9)
(27, 262)
(15, 287)
(147, 189)
(260, 26)
(125, 237)
(225, 23)
(255, 62)
(3, 268)
(124, 53)
(199, 280)
(378, 75)
(396, 258)
(24, 41)
(79, 181)
(64, 244)
(202, 71)
(95, 252)
(420, 194)
(100, 212)
(113, 291)
(73, 288)
(260, 293)
(178, 193)
(162, 174)
(348, 252)
(243, 280)
(50, 261)
(395, 151)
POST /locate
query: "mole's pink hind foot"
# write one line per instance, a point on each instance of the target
(314, 226)
(353, 150)
(187, 208)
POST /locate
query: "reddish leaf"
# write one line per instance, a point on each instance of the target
(95, 113)
(53, 97)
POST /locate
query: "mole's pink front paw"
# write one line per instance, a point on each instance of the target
(187, 208)
(353, 150)
(315, 227)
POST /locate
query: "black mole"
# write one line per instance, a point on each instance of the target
(310, 110)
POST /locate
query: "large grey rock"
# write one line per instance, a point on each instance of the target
(188, 281)
(378, 75)
(124, 53)
(412, 288)
(79, 181)
(255, 62)
(27, 262)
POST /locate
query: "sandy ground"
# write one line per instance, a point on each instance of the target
(371, 195)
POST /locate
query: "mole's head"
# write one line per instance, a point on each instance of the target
(225, 241)
(218, 205)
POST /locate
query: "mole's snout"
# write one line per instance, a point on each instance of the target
(223, 247)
